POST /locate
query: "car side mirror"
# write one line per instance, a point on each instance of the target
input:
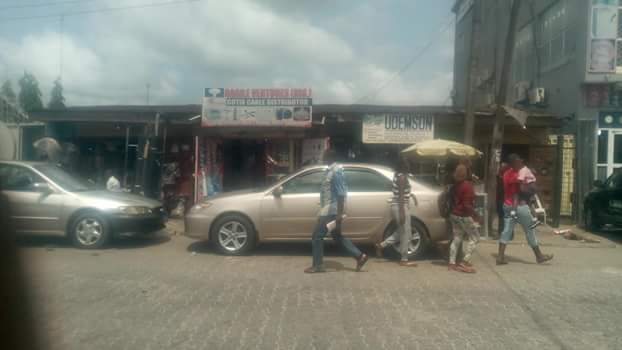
(599, 184)
(42, 187)
(278, 192)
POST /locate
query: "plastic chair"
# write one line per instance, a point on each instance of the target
(540, 211)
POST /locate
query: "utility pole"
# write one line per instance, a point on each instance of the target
(499, 125)
(472, 64)
(148, 87)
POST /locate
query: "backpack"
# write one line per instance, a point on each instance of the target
(445, 201)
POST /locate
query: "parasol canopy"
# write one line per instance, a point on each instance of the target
(441, 148)
(48, 148)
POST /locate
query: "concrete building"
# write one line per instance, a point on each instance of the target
(567, 62)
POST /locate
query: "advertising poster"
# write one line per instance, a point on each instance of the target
(289, 107)
(313, 150)
(603, 56)
(392, 128)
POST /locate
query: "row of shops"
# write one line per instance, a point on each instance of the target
(164, 151)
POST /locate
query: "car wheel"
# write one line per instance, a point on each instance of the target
(234, 235)
(90, 231)
(591, 220)
(418, 244)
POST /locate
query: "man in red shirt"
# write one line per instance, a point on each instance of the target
(516, 211)
(464, 221)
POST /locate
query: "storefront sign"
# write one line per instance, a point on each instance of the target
(398, 128)
(257, 107)
(609, 120)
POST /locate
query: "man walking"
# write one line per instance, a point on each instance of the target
(400, 211)
(332, 202)
(516, 209)
(463, 220)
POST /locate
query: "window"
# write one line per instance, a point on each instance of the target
(617, 148)
(63, 179)
(553, 44)
(18, 178)
(305, 183)
(523, 69)
(603, 146)
(367, 181)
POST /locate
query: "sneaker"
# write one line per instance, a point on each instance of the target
(314, 270)
(379, 250)
(535, 224)
(466, 268)
(361, 261)
(407, 263)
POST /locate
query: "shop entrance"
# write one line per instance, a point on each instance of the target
(244, 164)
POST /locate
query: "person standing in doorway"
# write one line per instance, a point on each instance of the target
(400, 210)
(464, 221)
(516, 210)
(332, 208)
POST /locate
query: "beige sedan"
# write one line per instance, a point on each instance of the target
(287, 211)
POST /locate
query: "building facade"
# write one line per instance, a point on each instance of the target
(567, 62)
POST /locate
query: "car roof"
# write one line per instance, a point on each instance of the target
(21, 162)
(353, 165)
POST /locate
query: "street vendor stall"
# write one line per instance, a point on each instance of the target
(445, 154)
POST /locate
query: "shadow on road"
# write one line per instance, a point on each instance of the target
(301, 249)
(53, 242)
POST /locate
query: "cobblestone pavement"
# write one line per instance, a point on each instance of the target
(173, 293)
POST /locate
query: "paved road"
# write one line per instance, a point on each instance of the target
(158, 294)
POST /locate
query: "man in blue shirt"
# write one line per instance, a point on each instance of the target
(333, 194)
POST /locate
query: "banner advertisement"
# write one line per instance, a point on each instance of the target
(406, 128)
(288, 107)
(603, 35)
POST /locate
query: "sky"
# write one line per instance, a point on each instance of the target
(347, 51)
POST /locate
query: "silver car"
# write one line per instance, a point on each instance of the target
(45, 199)
(287, 211)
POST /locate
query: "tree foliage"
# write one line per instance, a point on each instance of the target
(29, 93)
(57, 100)
(7, 91)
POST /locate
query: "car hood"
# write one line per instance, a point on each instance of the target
(108, 198)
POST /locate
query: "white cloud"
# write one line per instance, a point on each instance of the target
(179, 50)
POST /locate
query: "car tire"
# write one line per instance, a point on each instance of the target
(419, 244)
(90, 230)
(591, 220)
(234, 235)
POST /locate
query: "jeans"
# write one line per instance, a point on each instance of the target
(403, 233)
(501, 216)
(463, 228)
(524, 219)
(317, 241)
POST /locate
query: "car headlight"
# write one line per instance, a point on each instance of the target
(134, 210)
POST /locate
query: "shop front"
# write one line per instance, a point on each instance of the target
(250, 138)
(609, 153)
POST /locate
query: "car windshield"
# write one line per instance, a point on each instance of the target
(63, 179)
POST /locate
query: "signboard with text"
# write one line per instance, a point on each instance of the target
(287, 107)
(398, 128)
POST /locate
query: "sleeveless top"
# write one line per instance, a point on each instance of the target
(405, 190)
